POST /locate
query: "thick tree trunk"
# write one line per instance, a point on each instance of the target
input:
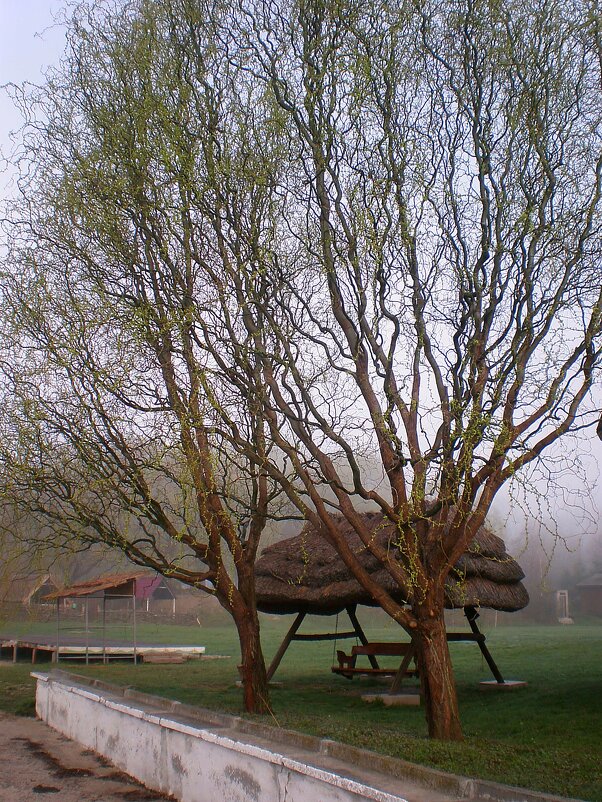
(437, 682)
(252, 668)
(252, 663)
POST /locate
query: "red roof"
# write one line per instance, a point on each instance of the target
(146, 586)
(104, 583)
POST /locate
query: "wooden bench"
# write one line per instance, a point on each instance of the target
(348, 667)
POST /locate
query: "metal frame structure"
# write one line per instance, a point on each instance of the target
(104, 595)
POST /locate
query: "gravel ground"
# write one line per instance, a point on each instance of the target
(37, 763)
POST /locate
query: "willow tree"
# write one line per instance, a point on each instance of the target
(133, 395)
(439, 268)
(258, 236)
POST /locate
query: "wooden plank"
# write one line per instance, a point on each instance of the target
(404, 670)
(163, 657)
(382, 672)
(387, 648)
(472, 615)
(360, 632)
(491, 662)
(325, 636)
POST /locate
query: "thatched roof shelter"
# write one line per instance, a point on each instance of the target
(306, 574)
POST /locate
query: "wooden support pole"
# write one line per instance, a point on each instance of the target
(284, 645)
(360, 632)
(104, 629)
(405, 664)
(87, 632)
(472, 615)
(57, 654)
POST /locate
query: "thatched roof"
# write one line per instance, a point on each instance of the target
(306, 574)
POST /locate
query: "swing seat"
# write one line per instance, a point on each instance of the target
(348, 668)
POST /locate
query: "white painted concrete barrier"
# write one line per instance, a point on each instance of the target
(201, 756)
(195, 763)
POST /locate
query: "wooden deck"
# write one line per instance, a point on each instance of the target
(44, 649)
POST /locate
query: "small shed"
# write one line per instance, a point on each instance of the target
(590, 595)
(147, 589)
(115, 587)
(155, 594)
(103, 603)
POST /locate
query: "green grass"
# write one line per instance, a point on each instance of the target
(547, 736)
(17, 690)
(165, 633)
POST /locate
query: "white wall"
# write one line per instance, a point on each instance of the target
(193, 762)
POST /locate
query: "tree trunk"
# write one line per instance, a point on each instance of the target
(252, 668)
(437, 682)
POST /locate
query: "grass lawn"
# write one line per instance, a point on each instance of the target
(547, 736)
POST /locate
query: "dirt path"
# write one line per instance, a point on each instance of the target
(37, 763)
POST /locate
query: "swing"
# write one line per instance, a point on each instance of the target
(293, 635)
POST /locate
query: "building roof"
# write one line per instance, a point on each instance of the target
(594, 581)
(101, 584)
(155, 587)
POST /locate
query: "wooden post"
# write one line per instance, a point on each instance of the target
(360, 632)
(58, 630)
(472, 615)
(87, 631)
(284, 645)
(135, 634)
(405, 664)
(104, 629)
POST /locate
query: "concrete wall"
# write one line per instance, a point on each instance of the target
(202, 756)
(194, 763)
